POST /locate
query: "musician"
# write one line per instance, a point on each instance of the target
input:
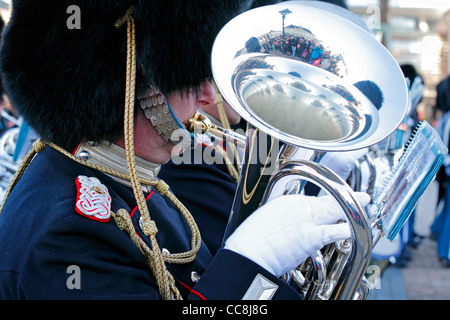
(86, 216)
(410, 238)
(440, 229)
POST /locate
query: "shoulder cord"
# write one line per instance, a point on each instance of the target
(157, 265)
(155, 257)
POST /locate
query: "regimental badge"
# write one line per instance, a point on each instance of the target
(93, 199)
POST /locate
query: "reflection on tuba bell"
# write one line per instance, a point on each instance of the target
(307, 82)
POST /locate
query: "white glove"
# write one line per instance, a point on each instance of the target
(342, 163)
(283, 233)
(365, 175)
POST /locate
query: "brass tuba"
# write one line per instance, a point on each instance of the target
(308, 81)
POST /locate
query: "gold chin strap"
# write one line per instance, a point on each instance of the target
(155, 257)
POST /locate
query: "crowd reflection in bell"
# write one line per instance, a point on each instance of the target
(305, 49)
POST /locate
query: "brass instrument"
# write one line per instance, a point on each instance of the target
(297, 108)
(200, 124)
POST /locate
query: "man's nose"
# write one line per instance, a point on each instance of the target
(207, 94)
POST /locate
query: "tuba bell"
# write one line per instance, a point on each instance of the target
(308, 81)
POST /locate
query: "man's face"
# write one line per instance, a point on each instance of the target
(149, 144)
(232, 116)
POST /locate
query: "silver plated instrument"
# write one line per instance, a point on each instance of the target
(308, 81)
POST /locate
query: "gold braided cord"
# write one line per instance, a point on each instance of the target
(38, 146)
(156, 261)
(165, 281)
(123, 221)
(222, 115)
(234, 171)
(230, 167)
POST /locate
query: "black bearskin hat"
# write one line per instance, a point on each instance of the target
(68, 79)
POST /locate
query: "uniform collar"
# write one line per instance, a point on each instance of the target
(113, 157)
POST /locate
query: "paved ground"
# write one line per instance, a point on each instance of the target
(424, 278)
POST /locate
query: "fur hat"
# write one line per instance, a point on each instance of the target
(68, 80)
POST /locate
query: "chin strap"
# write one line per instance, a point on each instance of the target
(158, 111)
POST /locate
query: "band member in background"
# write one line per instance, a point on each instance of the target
(86, 216)
(409, 237)
(440, 229)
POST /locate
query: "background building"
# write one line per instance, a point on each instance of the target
(5, 9)
(415, 32)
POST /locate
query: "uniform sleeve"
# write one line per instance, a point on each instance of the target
(231, 276)
(78, 258)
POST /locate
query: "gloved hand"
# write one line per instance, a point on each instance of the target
(283, 233)
(342, 163)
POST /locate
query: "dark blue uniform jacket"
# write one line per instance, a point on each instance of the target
(42, 237)
(207, 190)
